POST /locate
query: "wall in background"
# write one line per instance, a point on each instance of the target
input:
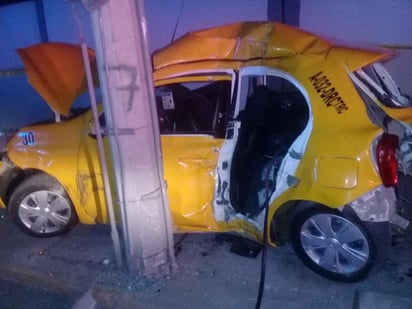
(377, 22)
(382, 22)
(195, 15)
(19, 28)
(19, 102)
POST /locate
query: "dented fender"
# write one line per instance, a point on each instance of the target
(8, 171)
(55, 149)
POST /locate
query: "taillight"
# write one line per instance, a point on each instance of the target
(387, 159)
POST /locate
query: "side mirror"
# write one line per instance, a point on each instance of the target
(92, 131)
(92, 128)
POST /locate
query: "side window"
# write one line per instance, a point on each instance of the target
(193, 107)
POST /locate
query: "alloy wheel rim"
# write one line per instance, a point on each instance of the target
(45, 212)
(334, 243)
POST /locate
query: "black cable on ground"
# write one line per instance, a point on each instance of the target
(263, 262)
(177, 245)
(265, 232)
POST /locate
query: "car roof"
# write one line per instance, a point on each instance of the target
(250, 43)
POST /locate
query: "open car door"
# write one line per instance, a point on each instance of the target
(265, 141)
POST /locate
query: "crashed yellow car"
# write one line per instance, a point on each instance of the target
(255, 117)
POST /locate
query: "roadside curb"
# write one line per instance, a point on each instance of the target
(371, 299)
(53, 283)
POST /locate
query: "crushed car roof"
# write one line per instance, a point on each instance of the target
(237, 43)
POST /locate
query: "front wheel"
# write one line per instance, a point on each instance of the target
(332, 245)
(41, 207)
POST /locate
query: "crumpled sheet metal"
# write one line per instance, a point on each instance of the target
(56, 71)
(245, 41)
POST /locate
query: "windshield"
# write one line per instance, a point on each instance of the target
(376, 81)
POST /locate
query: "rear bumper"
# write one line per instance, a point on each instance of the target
(379, 205)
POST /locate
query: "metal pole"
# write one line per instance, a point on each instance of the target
(102, 157)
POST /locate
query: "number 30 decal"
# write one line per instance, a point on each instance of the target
(28, 138)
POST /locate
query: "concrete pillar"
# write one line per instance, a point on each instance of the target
(132, 128)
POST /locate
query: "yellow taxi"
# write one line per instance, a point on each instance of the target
(263, 125)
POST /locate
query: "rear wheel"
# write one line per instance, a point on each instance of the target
(332, 245)
(41, 207)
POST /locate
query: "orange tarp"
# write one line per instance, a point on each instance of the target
(56, 71)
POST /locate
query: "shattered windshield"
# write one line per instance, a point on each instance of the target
(378, 84)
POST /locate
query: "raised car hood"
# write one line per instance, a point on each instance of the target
(57, 72)
(245, 41)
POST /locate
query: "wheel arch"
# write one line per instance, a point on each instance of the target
(332, 243)
(36, 192)
(281, 219)
(280, 222)
(19, 178)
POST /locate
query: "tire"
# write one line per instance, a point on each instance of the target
(332, 245)
(41, 207)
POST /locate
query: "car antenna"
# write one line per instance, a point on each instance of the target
(177, 21)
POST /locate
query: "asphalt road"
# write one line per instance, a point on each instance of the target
(18, 296)
(61, 269)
